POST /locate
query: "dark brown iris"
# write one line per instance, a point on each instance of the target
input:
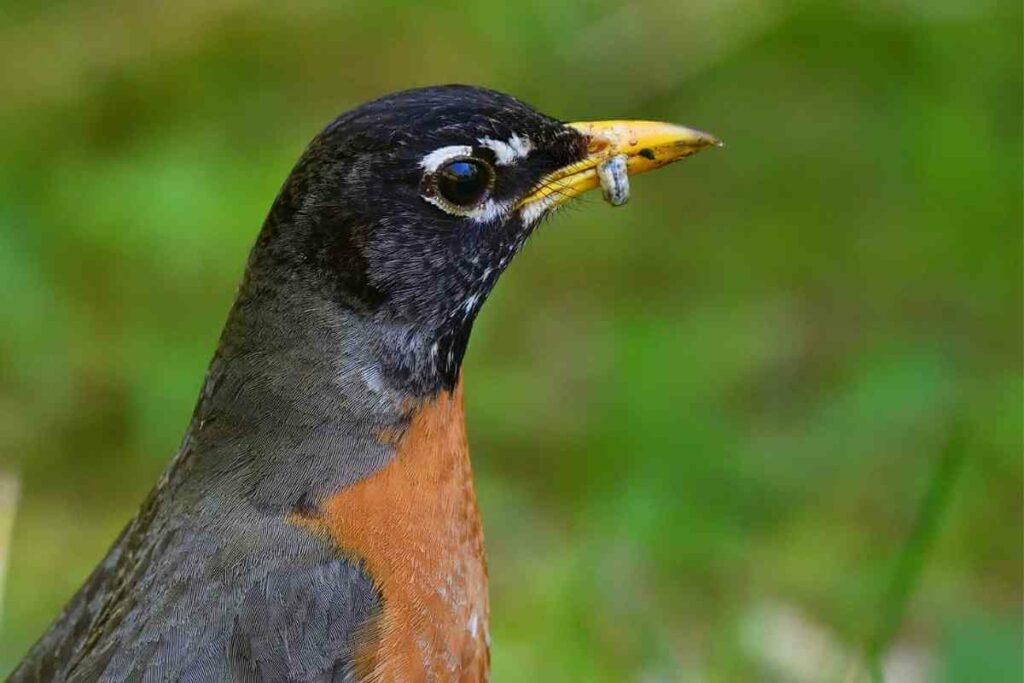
(464, 182)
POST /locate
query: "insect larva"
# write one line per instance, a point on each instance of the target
(614, 180)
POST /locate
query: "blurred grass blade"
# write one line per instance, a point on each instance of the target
(8, 504)
(910, 565)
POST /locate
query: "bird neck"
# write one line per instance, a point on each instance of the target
(301, 390)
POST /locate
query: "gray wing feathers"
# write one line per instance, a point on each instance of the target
(287, 611)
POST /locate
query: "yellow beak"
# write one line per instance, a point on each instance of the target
(646, 145)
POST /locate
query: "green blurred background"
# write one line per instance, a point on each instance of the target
(761, 421)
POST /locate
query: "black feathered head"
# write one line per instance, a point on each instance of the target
(408, 208)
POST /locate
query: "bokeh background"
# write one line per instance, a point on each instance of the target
(763, 423)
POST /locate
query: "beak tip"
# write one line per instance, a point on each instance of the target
(696, 140)
(709, 140)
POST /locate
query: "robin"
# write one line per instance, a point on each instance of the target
(318, 522)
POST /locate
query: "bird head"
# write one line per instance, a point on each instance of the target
(407, 209)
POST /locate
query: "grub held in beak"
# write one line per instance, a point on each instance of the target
(616, 150)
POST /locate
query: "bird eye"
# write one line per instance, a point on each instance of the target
(464, 182)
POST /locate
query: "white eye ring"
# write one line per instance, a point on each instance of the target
(462, 184)
(443, 155)
(487, 211)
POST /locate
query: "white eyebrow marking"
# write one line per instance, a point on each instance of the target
(433, 161)
(506, 153)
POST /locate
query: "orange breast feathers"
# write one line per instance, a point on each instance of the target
(416, 527)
